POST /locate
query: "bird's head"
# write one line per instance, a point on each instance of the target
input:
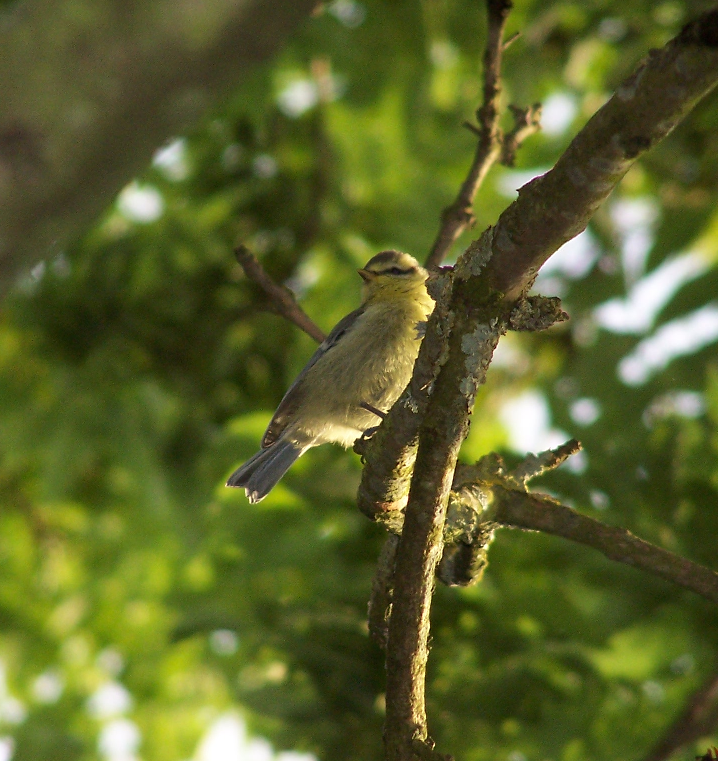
(392, 274)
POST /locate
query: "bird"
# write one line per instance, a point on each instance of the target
(353, 378)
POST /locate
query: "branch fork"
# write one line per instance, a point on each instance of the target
(481, 298)
(493, 273)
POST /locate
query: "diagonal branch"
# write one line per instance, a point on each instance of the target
(282, 299)
(555, 207)
(540, 513)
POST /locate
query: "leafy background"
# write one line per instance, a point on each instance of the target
(141, 601)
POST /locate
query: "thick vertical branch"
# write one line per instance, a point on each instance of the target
(445, 426)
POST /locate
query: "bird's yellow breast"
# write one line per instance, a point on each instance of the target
(372, 363)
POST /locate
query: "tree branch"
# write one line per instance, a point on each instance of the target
(527, 122)
(540, 513)
(469, 530)
(115, 80)
(485, 496)
(459, 215)
(555, 207)
(548, 212)
(381, 592)
(421, 544)
(281, 298)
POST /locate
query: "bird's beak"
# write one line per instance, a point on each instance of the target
(366, 276)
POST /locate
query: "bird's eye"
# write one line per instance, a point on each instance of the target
(396, 271)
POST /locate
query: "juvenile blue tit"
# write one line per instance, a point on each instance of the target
(367, 360)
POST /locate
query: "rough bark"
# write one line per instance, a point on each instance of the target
(488, 279)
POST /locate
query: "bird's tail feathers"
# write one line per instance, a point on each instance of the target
(261, 473)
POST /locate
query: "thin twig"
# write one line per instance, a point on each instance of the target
(374, 410)
(459, 215)
(281, 298)
(527, 122)
(510, 41)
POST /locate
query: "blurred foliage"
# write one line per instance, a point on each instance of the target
(138, 368)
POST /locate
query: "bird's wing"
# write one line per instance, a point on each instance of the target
(295, 393)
